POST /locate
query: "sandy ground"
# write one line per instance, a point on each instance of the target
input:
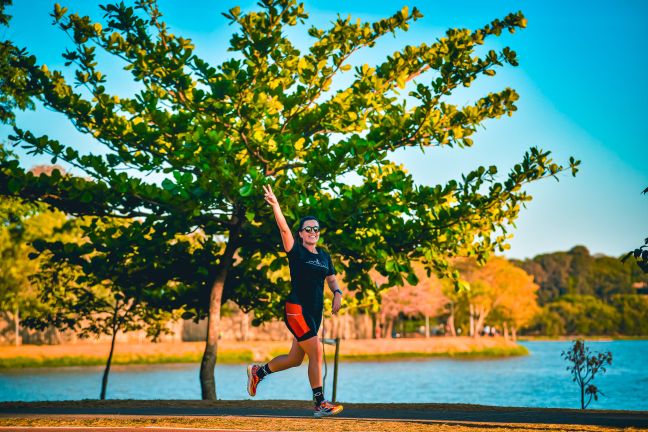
(240, 424)
(261, 350)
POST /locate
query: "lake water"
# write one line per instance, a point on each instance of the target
(537, 380)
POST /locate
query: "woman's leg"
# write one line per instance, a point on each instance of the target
(313, 349)
(256, 373)
(293, 359)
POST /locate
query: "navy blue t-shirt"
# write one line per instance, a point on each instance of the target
(307, 274)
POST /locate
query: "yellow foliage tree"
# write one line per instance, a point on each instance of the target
(500, 291)
(425, 298)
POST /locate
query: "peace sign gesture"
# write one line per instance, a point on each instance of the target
(286, 236)
(270, 196)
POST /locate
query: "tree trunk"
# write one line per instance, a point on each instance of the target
(17, 325)
(245, 327)
(208, 363)
(451, 321)
(347, 326)
(427, 326)
(389, 327)
(104, 380)
(514, 333)
(480, 316)
(368, 325)
(471, 313)
(506, 330)
(375, 326)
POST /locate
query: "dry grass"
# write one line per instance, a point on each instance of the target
(239, 352)
(286, 424)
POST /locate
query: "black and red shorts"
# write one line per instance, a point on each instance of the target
(301, 323)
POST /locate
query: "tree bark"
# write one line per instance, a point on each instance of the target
(427, 326)
(389, 327)
(375, 326)
(104, 380)
(471, 313)
(514, 333)
(369, 331)
(208, 363)
(506, 330)
(479, 317)
(347, 326)
(17, 325)
(245, 327)
(451, 321)
(479, 325)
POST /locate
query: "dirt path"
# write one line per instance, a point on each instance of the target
(445, 413)
(112, 429)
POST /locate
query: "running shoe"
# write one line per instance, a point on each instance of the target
(327, 408)
(253, 379)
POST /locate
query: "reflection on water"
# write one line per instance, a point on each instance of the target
(538, 380)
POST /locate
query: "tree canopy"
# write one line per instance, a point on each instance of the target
(269, 114)
(578, 272)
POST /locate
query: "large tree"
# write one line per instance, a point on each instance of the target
(270, 114)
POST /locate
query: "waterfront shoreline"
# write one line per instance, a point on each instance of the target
(230, 352)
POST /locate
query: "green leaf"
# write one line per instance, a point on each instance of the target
(14, 185)
(412, 279)
(168, 185)
(245, 190)
(86, 197)
(390, 266)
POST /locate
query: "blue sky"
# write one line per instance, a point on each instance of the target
(581, 81)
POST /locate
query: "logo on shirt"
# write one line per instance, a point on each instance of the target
(316, 262)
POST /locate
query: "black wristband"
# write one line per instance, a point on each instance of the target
(337, 290)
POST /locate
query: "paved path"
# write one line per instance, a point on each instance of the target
(407, 412)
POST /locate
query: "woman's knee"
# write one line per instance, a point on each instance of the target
(315, 353)
(295, 360)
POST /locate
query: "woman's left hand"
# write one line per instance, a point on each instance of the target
(337, 302)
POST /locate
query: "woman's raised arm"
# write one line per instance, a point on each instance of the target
(284, 229)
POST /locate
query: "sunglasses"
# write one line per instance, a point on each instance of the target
(311, 229)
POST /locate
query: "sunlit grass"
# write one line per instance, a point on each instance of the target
(225, 357)
(230, 352)
(490, 352)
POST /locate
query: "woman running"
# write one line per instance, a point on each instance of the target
(309, 266)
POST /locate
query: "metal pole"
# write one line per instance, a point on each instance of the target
(335, 367)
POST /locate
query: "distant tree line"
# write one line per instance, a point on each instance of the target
(587, 294)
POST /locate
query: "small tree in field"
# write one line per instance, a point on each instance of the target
(583, 367)
(641, 253)
(269, 114)
(95, 291)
